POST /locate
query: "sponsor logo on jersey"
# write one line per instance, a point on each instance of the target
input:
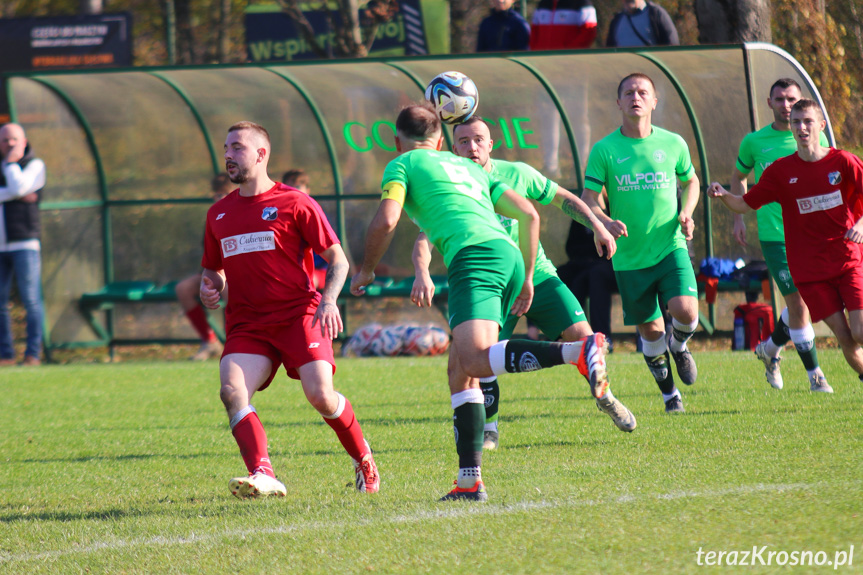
(220, 216)
(270, 214)
(834, 178)
(792, 181)
(820, 203)
(247, 243)
(646, 181)
(765, 150)
(659, 156)
(314, 345)
(621, 160)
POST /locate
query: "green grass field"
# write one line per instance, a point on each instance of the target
(124, 469)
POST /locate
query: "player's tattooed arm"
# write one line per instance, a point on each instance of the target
(337, 273)
(575, 208)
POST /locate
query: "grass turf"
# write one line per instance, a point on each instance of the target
(124, 469)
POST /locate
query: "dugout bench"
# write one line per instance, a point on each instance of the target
(130, 292)
(142, 292)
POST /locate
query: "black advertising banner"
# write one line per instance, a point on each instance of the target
(87, 41)
(271, 36)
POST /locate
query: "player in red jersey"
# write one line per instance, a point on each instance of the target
(820, 190)
(260, 239)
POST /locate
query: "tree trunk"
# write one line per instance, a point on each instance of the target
(733, 21)
(224, 41)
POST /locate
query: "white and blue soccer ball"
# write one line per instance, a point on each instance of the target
(454, 97)
(360, 342)
(386, 343)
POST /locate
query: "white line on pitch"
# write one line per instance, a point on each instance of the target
(445, 511)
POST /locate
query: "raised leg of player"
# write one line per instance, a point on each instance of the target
(684, 321)
(850, 337)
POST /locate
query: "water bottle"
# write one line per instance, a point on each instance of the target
(739, 334)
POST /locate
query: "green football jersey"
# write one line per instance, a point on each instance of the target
(528, 183)
(450, 198)
(758, 150)
(640, 176)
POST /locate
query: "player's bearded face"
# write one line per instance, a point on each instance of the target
(238, 174)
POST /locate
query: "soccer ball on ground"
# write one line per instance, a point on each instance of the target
(454, 97)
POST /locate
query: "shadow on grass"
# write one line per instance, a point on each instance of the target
(65, 516)
(128, 457)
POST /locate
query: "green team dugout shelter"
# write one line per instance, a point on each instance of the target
(130, 153)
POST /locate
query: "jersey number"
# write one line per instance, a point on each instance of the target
(463, 181)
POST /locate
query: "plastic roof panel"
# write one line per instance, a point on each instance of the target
(130, 148)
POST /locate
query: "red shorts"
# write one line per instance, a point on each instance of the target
(292, 345)
(824, 298)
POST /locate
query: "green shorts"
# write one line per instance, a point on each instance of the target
(484, 281)
(554, 309)
(640, 290)
(777, 262)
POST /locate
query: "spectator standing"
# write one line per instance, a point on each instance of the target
(563, 25)
(22, 178)
(642, 23)
(504, 30)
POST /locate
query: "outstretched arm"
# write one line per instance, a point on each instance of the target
(734, 203)
(615, 227)
(378, 238)
(574, 207)
(738, 188)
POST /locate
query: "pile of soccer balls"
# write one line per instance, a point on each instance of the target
(403, 339)
(454, 97)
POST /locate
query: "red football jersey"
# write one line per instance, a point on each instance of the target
(265, 244)
(819, 201)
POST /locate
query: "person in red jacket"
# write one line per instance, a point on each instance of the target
(563, 25)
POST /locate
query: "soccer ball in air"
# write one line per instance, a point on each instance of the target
(454, 97)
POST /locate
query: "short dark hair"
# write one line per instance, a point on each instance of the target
(256, 128)
(784, 83)
(220, 182)
(636, 76)
(472, 120)
(296, 178)
(418, 122)
(807, 104)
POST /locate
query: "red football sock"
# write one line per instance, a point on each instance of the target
(348, 430)
(198, 318)
(252, 440)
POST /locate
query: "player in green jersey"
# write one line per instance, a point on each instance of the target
(453, 201)
(757, 151)
(639, 166)
(555, 310)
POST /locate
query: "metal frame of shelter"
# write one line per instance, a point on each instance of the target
(712, 95)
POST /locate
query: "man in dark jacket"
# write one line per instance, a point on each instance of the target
(642, 23)
(504, 30)
(22, 177)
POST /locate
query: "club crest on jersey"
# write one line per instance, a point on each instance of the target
(659, 156)
(270, 214)
(834, 178)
